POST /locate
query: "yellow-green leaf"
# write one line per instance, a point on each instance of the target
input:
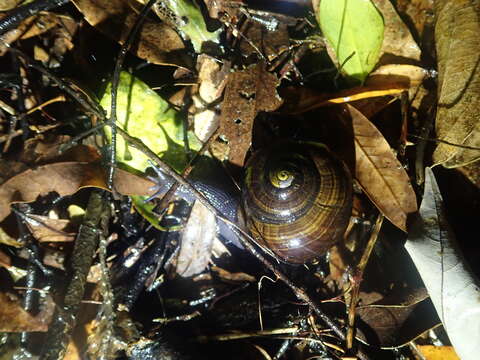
(354, 29)
(145, 115)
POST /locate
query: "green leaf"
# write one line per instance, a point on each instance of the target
(354, 29)
(145, 115)
(193, 23)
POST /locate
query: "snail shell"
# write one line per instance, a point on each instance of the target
(297, 199)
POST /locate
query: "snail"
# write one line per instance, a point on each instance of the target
(297, 198)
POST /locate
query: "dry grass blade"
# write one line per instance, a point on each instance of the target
(380, 174)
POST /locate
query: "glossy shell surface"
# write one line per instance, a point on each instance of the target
(297, 199)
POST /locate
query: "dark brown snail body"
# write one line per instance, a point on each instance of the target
(297, 199)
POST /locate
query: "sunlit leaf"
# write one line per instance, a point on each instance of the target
(354, 29)
(145, 115)
(191, 23)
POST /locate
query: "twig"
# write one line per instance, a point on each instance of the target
(357, 279)
(115, 81)
(246, 239)
(86, 242)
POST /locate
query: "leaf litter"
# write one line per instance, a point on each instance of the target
(257, 61)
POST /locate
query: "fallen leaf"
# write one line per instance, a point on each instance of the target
(196, 241)
(158, 43)
(448, 279)
(43, 150)
(145, 115)
(268, 33)
(212, 80)
(411, 75)
(6, 5)
(14, 319)
(419, 14)
(246, 94)
(45, 229)
(392, 324)
(380, 174)
(66, 178)
(398, 42)
(8, 240)
(457, 37)
(431, 352)
(232, 277)
(194, 26)
(355, 30)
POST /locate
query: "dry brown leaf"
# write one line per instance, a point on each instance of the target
(419, 14)
(45, 229)
(271, 43)
(42, 150)
(158, 43)
(397, 40)
(457, 35)
(229, 276)
(65, 178)
(46, 21)
(411, 75)
(380, 174)
(6, 5)
(14, 319)
(390, 324)
(246, 94)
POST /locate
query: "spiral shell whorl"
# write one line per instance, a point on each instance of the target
(297, 199)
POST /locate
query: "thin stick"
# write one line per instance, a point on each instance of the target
(115, 81)
(357, 279)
